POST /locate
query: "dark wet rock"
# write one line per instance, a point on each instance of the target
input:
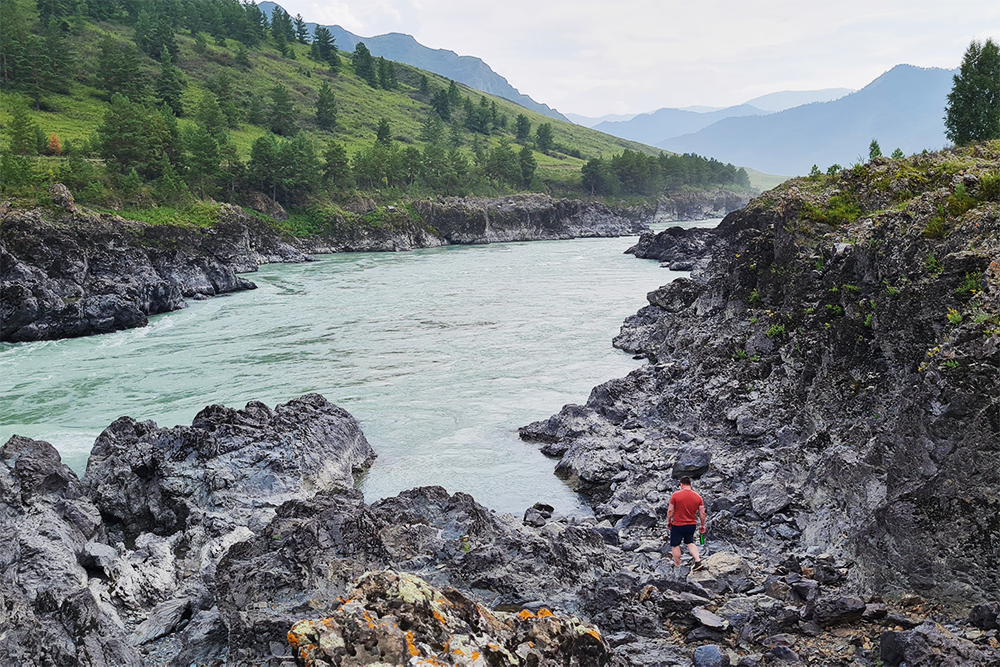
(84, 274)
(48, 611)
(932, 644)
(397, 618)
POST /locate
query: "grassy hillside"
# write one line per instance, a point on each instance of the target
(75, 111)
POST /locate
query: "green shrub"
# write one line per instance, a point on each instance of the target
(971, 284)
(989, 187)
(834, 310)
(936, 227)
(951, 363)
(755, 298)
(775, 331)
(954, 316)
(933, 265)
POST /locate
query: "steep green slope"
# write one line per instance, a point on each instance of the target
(218, 70)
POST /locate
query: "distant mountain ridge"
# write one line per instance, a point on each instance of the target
(903, 108)
(403, 48)
(788, 99)
(652, 128)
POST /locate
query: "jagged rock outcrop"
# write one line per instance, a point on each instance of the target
(82, 274)
(677, 248)
(836, 360)
(126, 559)
(51, 613)
(698, 205)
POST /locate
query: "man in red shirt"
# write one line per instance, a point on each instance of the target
(685, 507)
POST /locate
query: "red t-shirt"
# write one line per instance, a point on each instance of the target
(686, 503)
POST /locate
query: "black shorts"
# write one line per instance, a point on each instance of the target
(681, 533)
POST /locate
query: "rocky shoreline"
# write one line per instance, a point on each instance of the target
(71, 274)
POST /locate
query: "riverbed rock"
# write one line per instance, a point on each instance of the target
(48, 611)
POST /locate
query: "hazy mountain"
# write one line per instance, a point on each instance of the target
(651, 128)
(787, 99)
(902, 108)
(587, 121)
(469, 70)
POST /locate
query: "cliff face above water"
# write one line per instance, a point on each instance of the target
(830, 376)
(63, 276)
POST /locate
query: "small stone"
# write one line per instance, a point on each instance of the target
(986, 616)
(709, 620)
(691, 462)
(709, 656)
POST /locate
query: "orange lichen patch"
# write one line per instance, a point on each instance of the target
(595, 634)
(475, 655)
(439, 617)
(543, 612)
(410, 646)
(328, 622)
(293, 641)
(525, 614)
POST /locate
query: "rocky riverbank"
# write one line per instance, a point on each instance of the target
(825, 377)
(69, 273)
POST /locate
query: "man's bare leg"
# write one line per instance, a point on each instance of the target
(676, 551)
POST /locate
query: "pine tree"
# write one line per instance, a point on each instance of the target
(326, 107)
(168, 84)
(424, 84)
(202, 160)
(874, 150)
(124, 139)
(973, 109)
(301, 30)
(543, 137)
(454, 96)
(441, 104)
(336, 167)
(364, 65)
(119, 70)
(55, 148)
(209, 115)
(432, 131)
(528, 163)
(282, 112)
(522, 128)
(383, 133)
(322, 45)
(22, 130)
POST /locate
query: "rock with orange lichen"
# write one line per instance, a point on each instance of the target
(394, 618)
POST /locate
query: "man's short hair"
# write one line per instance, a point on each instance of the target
(686, 480)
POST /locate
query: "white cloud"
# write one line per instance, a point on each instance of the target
(595, 57)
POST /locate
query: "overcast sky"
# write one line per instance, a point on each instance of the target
(595, 57)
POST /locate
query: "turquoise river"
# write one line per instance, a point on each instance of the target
(441, 354)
